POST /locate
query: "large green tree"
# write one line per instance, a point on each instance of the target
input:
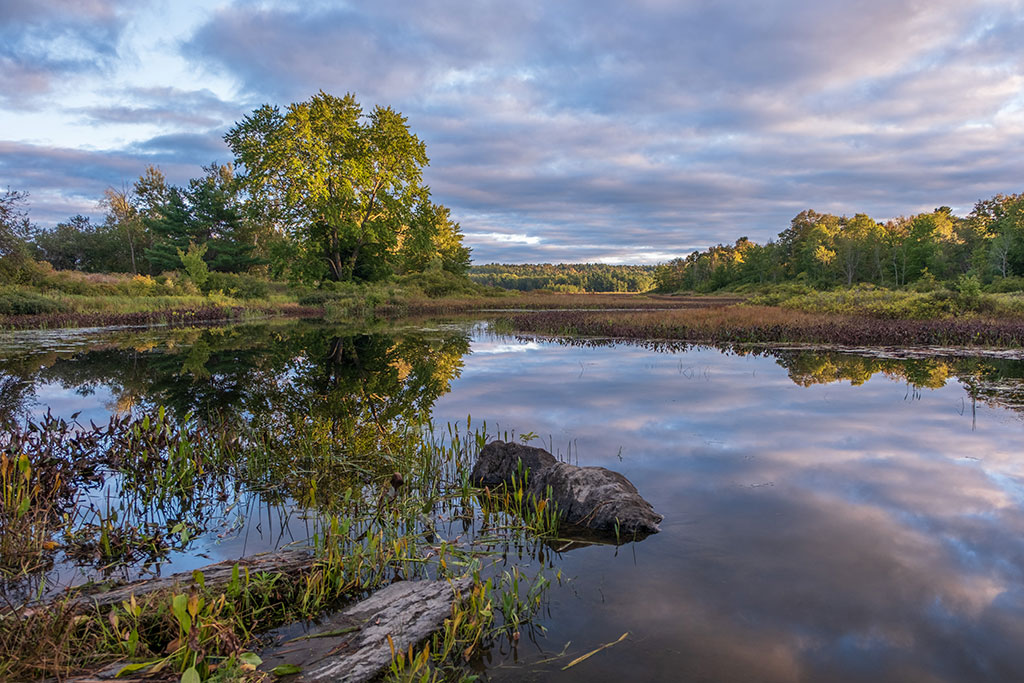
(853, 245)
(344, 184)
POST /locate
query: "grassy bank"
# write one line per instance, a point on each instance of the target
(72, 299)
(51, 299)
(905, 304)
(856, 316)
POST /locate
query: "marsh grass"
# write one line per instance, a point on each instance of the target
(546, 301)
(26, 515)
(208, 312)
(134, 492)
(749, 324)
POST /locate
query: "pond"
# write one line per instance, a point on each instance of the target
(828, 516)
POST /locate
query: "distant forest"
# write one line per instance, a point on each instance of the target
(565, 277)
(822, 250)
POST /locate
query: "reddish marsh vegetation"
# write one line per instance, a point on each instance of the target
(756, 324)
(178, 316)
(576, 302)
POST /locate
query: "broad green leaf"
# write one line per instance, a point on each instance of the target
(286, 670)
(250, 658)
(129, 668)
(179, 606)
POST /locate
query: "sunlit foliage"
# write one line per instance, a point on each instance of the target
(824, 250)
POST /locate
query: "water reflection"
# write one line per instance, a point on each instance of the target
(316, 399)
(242, 371)
(820, 525)
(828, 516)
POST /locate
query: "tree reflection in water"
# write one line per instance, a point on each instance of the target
(244, 372)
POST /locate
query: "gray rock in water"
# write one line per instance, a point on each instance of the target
(591, 497)
(499, 463)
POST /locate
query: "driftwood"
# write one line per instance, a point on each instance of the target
(288, 562)
(592, 497)
(353, 645)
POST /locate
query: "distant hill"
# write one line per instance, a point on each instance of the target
(565, 277)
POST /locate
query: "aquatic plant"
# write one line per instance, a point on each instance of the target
(145, 486)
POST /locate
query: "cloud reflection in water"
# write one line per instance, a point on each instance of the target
(828, 532)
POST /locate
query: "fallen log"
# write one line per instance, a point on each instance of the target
(356, 644)
(592, 497)
(286, 562)
(352, 645)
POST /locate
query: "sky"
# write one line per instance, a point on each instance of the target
(577, 130)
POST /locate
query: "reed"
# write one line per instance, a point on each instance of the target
(130, 493)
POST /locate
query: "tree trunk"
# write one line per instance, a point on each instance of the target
(131, 247)
(354, 259)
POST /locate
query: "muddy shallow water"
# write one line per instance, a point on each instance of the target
(828, 516)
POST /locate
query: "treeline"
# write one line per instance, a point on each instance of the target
(150, 227)
(823, 250)
(565, 277)
(320, 192)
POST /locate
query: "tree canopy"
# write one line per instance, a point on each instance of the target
(824, 250)
(565, 277)
(346, 186)
(210, 213)
(323, 191)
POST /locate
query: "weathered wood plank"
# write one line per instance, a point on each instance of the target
(353, 646)
(289, 562)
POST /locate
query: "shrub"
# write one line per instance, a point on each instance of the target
(1004, 305)
(876, 302)
(142, 285)
(16, 302)
(194, 264)
(968, 288)
(237, 285)
(437, 283)
(78, 283)
(775, 295)
(319, 297)
(1006, 284)
(925, 283)
(176, 283)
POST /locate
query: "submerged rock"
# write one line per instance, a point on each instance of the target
(591, 497)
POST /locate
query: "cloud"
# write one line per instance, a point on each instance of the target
(63, 182)
(44, 40)
(603, 130)
(186, 147)
(168, 107)
(862, 547)
(665, 125)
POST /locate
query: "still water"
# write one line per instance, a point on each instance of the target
(827, 516)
